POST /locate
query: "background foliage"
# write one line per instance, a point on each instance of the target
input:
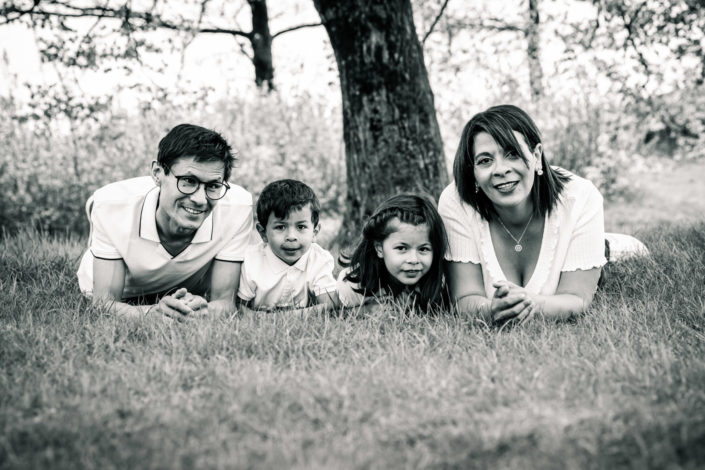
(623, 82)
(47, 174)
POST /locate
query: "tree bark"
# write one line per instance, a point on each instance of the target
(261, 41)
(259, 37)
(392, 140)
(534, 52)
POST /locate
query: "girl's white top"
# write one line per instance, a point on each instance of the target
(573, 237)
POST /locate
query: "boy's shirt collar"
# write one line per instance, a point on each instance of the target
(277, 265)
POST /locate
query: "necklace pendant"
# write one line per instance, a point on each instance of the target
(518, 248)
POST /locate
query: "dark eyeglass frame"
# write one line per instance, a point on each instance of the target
(179, 179)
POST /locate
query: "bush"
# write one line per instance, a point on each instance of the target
(594, 135)
(593, 138)
(49, 167)
(48, 171)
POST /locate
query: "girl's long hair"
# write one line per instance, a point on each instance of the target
(368, 270)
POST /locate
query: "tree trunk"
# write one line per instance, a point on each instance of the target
(261, 41)
(392, 140)
(534, 52)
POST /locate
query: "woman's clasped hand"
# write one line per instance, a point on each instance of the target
(511, 302)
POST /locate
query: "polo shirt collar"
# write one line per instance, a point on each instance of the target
(278, 266)
(148, 217)
(148, 221)
(205, 231)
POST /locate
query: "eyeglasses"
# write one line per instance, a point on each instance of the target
(188, 184)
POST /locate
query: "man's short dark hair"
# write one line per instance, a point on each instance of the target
(188, 140)
(282, 196)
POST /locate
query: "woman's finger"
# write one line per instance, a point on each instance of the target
(513, 311)
(525, 314)
(528, 316)
(501, 289)
(509, 301)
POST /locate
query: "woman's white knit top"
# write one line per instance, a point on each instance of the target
(573, 236)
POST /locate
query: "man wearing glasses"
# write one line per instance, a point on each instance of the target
(163, 244)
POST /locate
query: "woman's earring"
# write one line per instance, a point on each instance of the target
(539, 171)
(477, 188)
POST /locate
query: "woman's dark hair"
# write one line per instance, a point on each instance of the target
(499, 122)
(368, 269)
(189, 140)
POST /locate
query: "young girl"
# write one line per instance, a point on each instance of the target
(400, 255)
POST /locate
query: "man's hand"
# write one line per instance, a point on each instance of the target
(196, 303)
(175, 306)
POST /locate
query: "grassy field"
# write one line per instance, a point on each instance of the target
(621, 387)
(668, 192)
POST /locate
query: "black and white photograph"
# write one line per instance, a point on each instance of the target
(352, 234)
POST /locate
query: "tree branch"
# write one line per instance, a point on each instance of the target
(294, 28)
(244, 51)
(435, 21)
(123, 14)
(497, 25)
(232, 32)
(73, 11)
(595, 27)
(629, 26)
(488, 24)
(189, 39)
(7, 10)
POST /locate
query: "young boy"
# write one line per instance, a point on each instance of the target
(287, 270)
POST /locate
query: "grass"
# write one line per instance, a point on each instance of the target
(669, 191)
(621, 387)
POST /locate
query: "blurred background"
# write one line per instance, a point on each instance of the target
(87, 90)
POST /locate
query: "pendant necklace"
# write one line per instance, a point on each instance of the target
(518, 246)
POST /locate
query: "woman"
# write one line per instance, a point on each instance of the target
(525, 238)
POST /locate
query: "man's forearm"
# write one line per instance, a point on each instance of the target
(221, 307)
(122, 308)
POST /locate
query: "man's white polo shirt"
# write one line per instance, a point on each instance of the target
(124, 226)
(274, 284)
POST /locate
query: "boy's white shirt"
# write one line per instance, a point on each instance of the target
(271, 283)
